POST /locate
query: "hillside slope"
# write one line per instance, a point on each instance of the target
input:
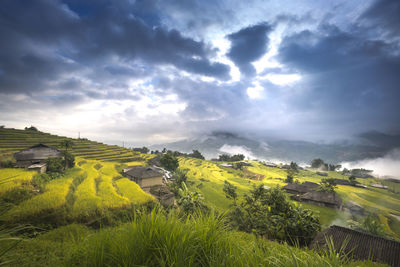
(208, 177)
(13, 140)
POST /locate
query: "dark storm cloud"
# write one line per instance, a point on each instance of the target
(351, 81)
(385, 15)
(43, 40)
(248, 45)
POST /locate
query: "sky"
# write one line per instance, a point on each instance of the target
(154, 71)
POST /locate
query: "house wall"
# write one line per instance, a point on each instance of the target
(148, 182)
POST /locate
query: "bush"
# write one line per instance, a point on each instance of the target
(54, 165)
(268, 213)
(69, 159)
(7, 164)
(169, 162)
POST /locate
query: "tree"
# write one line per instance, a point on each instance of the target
(352, 180)
(230, 191)
(294, 166)
(32, 128)
(169, 162)
(69, 160)
(54, 165)
(196, 154)
(290, 176)
(268, 213)
(328, 185)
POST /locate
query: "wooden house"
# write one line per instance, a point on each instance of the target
(34, 157)
(145, 177)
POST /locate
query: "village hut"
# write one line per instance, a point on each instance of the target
(300, 188)
(35, 157)
(360, 246)
(342, 182)
(322, 174)
(379, 186)
(163, 194)
(145, 177)
(321, 198)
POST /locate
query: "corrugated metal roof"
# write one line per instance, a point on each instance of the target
(143, 172)
(361, 246)
(37, 152)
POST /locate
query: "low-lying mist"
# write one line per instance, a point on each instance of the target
(388, 165)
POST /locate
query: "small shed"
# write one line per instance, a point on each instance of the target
(145, 177)
(379, 186)
(322, 174)
(37, 154)
(360, 246)
(324, 199)
(301, 188)
(226, 165)
(40, 167)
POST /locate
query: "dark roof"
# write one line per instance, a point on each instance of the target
(37, 152)
(361, 246)
(342, 181)
(323, 197)
(301, 188)
(155, 161)
(143, 172)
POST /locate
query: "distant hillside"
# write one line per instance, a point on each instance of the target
(285, 150)
(13, 140)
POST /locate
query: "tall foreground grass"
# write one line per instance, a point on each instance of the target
(202, 240)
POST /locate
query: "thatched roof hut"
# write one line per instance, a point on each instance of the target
(301, 188)
(321, 198)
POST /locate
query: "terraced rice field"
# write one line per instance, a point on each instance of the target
(90, 189)
(208, 177)
(12, 140)
(12, 178)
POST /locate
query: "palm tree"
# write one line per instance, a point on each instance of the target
(67, 144)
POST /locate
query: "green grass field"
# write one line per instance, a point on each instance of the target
(94, 188)
(208, 177)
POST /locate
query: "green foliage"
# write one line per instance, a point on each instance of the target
(294, 166)
(7, 163)
(328, 185)
(196, 154)
(267, 212)
(169, 162)
(371, 224)
(352, 180)
(66, 143)
(32, 128)
(290, 175)
(190, 201)
(68, 159)
(54, 165)
(317, 163)
(41, 179)
(230, 191)
(225, 157)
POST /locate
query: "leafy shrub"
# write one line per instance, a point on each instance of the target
(7, 163)
(169, 162)
(54, 165)
(267, 212)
